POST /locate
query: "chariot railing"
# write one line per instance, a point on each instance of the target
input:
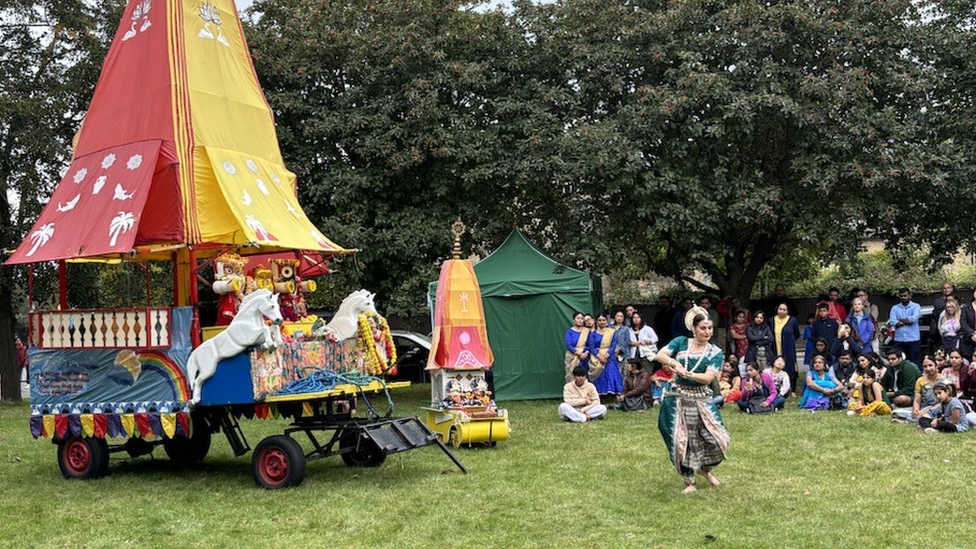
(142, 328)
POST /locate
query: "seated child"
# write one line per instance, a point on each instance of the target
(871, 397)
(660, 378)
(949, 416)
(780, 376)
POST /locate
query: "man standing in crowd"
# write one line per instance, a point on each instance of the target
(22, 362)
(678, 320)
(779, 296)
(581, 402)
(899, 379)
(706, 303)
(835, 309)
(824, 326)
(904, 318)
(871, 308)
(662, 319)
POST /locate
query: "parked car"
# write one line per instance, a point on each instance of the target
(412, 352)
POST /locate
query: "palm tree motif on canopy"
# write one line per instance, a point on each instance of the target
(120, 224)
(258, 228)
(40, 237)
(209, 14)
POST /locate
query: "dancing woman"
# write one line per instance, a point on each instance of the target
(689, 423)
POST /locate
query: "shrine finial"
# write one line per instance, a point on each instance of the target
(458, 229)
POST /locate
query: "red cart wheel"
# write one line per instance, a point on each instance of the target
(83, 458)
(278, 462)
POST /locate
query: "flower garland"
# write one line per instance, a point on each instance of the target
(368, 341)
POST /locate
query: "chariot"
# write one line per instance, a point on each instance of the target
(177, 162)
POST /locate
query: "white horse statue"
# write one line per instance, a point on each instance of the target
(345, 323)
(246, 329)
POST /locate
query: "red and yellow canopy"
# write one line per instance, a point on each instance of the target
(178, 148)
(460, 339)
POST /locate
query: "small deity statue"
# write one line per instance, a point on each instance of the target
(231, 284)
(290, 288)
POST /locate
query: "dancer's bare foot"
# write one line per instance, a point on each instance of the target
(711, 479)
(689, 489)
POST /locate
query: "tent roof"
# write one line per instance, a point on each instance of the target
(519, 268)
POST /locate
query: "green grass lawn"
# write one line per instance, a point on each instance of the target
(793, 479)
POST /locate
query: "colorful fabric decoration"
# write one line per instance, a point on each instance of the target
(460, 339)
(376, 344)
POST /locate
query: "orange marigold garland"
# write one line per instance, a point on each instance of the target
(369, 339)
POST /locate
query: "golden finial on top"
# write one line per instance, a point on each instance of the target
(458, 229)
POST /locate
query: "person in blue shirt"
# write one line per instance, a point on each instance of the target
(904, 318)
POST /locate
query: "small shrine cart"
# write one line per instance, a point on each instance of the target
(462, 410)
(465, 416)
(178, 164)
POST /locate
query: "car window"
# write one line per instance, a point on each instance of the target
(404, 343)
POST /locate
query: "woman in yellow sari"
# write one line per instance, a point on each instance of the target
(577, 353)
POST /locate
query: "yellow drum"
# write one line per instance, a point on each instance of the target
(455, 426)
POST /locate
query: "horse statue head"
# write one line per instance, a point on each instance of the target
(344, 323)
(264, 302)
(359, 302)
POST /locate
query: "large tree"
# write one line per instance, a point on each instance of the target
(401, 116)
(686, 138)
(736, 132)
(50, 55)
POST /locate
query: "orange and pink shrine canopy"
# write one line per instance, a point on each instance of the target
(178, 148)
(460, 339)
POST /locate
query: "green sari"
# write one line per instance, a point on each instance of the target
(690, 423)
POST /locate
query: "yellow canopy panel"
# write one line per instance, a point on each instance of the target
(243, 198)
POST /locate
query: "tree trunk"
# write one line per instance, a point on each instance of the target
(9, 372)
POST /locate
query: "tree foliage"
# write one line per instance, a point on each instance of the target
(688, 137)
(383, 111)
(50, 55)
(761, 127)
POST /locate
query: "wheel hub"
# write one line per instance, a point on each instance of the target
(78, 456)
(274, 465)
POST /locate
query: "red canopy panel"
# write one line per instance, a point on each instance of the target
(313, 264)
(98, 207)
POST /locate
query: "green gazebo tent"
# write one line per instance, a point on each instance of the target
(529, 300)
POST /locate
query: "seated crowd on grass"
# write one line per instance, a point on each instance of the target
(846, 372)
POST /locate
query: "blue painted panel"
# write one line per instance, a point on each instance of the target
(231, 384)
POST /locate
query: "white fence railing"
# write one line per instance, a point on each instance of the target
(145, 328)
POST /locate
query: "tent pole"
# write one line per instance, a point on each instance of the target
(62, 285)
(194, 296)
